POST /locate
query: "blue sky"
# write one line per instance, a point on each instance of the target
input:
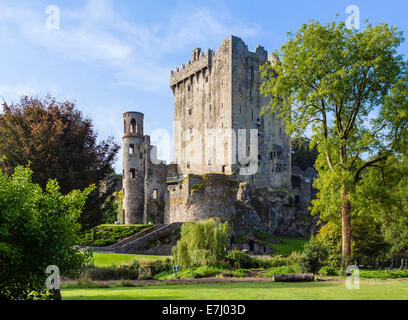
(115, 56)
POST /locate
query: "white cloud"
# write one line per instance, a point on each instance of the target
(135, 52)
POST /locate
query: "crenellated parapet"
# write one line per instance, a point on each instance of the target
(200, 62)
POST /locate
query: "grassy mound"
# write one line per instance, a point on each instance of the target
(107, 234)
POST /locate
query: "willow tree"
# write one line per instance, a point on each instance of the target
(349, 88)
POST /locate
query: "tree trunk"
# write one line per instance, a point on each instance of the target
(346, 228)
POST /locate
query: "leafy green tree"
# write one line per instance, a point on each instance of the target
(367, 241)
(59, 143)
(385, 193)
(350, 88)
(38, 228)
(202, 243)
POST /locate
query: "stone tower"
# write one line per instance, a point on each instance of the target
(133, 168)
(216, 105)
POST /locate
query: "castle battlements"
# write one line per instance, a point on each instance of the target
(199, 62)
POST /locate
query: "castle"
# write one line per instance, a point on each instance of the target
(224, 150)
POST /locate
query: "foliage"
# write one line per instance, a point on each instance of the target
(119, 203)
(38, 228)
(329, 271)
(383, 274)
(107, 234)
(122, 272)
(366, 240)
(384, 195)
(202, 243)
(112, 208)
(239, 260)
(314, 257)
(59, 143)
(302, 155)
(350, 88)
(292, 269)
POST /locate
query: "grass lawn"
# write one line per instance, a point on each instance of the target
(109, 259)
(288, 245)
(329, 290)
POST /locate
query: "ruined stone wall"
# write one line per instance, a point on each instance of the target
(200, 198)
(155, 187)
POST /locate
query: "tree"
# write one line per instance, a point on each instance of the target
(385, 193)
(350, 88)
(302, 155)
(59, 143)
(202, 243)
(38, 228)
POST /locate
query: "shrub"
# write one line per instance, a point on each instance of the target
(294, 258)
(282, 270)
(38, 228)
(202, 243)
(239, 260)
(329, 271)
(314, 257)
(366, 241)
(123, 272)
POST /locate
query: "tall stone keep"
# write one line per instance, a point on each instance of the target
(217, 102)
(133, 168)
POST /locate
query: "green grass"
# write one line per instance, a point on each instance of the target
(288, 245)
(107, 234)
(333, 290)
(110, 259)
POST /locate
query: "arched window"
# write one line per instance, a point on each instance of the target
(133, 126)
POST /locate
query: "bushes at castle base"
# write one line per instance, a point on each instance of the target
(202, 243)
(239, 260)
(314, 257)
(366, 241)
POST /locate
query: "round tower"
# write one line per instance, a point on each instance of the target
(133, 168)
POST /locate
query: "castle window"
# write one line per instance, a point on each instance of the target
(133, 126)
(210, 107)
(271, 156)
(190, 111)
(209, 162)
(155, 194)
(132, 173)
(188, 164)
(224, 168)
(131, 149)
(188, 88)
(190, 130)
(206, 79)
